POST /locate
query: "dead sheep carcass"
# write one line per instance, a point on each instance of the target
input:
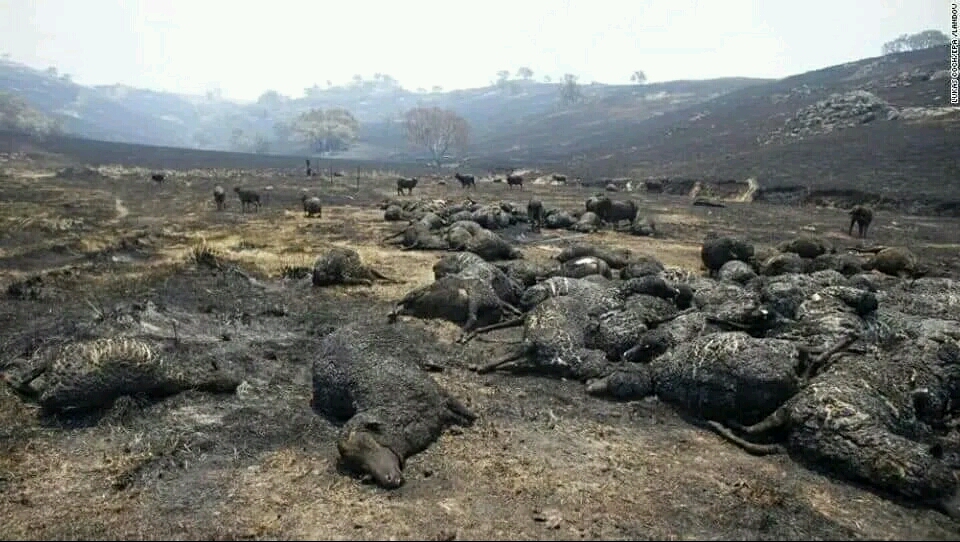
(343, 266)
(390, 409)
(86, 375)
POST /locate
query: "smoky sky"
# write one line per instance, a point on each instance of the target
(246, 48)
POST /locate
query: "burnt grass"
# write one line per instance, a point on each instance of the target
(544, 460)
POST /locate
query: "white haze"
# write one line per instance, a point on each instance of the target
(245, 48)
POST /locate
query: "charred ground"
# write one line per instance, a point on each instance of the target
(544, 461)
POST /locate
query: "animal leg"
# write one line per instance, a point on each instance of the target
(510, 308)
(773, 421)
(819, 362)
(380, 276)
(394, 236)
(755, 449)
(471, 323)
(462, 415)
(492, 327)
(352, 281)
(392, 317)
(23, 387)
(481, 369)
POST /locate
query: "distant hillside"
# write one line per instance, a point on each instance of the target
(124, 114)
(879, 129)
(881, 126)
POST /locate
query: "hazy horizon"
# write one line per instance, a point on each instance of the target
(189, 48)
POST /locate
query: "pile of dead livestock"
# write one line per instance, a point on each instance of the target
(848, 362)
(441, 225)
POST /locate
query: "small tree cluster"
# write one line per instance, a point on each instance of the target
(436, 130)
(506, 85)
(914, 42)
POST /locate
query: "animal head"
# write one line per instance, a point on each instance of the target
(360, 449)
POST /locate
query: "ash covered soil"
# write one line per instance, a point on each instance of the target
(90, 252)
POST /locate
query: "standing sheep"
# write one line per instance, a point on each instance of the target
(220, 197)
(862, 216)
(311, 206)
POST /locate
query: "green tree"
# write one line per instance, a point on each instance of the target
(270, 98)
(16, 115)
(914, 42)
(326, 130)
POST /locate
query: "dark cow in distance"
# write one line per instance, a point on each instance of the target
(466, 180)
(405, 183)
(613, 212)
(247, 198)
(515, 180)
(862, 216)
(158, 178)
(654, 187)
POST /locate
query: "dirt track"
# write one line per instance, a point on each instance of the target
(545, 461)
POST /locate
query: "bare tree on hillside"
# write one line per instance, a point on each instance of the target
(638, 77)
(436, 130)
(503, 81)
(282, 132)
(570, 92)
(237, 139)
(261, 145)
(525, 73)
